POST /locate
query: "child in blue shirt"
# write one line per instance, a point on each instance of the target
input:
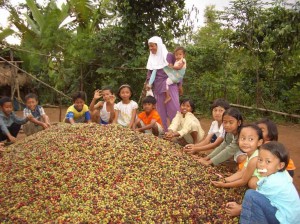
(276, 199)
(79, 111)
(10, 124)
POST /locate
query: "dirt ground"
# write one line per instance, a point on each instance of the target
(289, 135)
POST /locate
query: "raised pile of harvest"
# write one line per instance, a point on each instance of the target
(101, 174)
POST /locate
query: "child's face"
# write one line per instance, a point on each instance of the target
(152, 48)
(217, 113)
(148, 107)
(249, 140)
(179, 54)
(125, 93)
(267, 163)
(31, 103)
(185, 107)
(79, 103)
(106, 95)
(265, 132)
(7, 108)
(231, 124)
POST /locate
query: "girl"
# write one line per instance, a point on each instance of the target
(125, 110)
(250, 138)
(106, 114)
(232, 122)
(185, 125)
(270, 133)
(276, 199)
(216, 133)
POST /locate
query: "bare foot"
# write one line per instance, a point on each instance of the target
(168, 98)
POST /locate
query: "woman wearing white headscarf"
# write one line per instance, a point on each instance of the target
(159, 58)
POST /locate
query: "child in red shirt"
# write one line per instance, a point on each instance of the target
(149, 120)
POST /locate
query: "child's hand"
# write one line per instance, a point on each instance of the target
(48, 124)
(218, 183)
(189, 148)
(12, 139)
(29, 117)
(112, 99)
(169, 135)
(97, 94)
(233, 209)
(1, 146)
(44, 125)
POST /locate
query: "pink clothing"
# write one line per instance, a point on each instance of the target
(169, 110)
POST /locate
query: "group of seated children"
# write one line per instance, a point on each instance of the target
(34, 119)
(263, 161)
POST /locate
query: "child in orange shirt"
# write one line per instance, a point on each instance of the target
(149, 120)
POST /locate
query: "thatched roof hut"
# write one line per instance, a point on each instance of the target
(6, 73)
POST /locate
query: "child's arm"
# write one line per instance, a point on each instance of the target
(136, 123)
(40, 123)
(93, 104)
(226, 153)
(203, 145)
(247, 174)
(87, 116)
(116, 117)
(110, 107)
(46, 119)
(133, 116)
(179, 65)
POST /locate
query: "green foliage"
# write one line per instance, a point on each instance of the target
(248, 53)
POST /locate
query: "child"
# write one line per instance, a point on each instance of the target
(149, 120)
(232, 122)
(10, 124)
(276, 199)
(250, 138)
(125, 110)
(185, 125)
(175, 72)
(79, 111)
(39, 120)
(270, 133)
(106, 114)
(216, 133)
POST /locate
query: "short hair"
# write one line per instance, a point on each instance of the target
(108, 88)
(4, 100)
(149, 99)
(31, 96)
(220, 103)
(272, 128)
(255, 128)
(122, 87)
(79, 95)
(278, 150)
(192, 104)
(180, 49)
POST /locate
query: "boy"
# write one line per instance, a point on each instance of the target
(39, 120)
(79, 111)
(149, 120)
(10, 124)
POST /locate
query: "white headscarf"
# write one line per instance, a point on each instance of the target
(158, 60)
